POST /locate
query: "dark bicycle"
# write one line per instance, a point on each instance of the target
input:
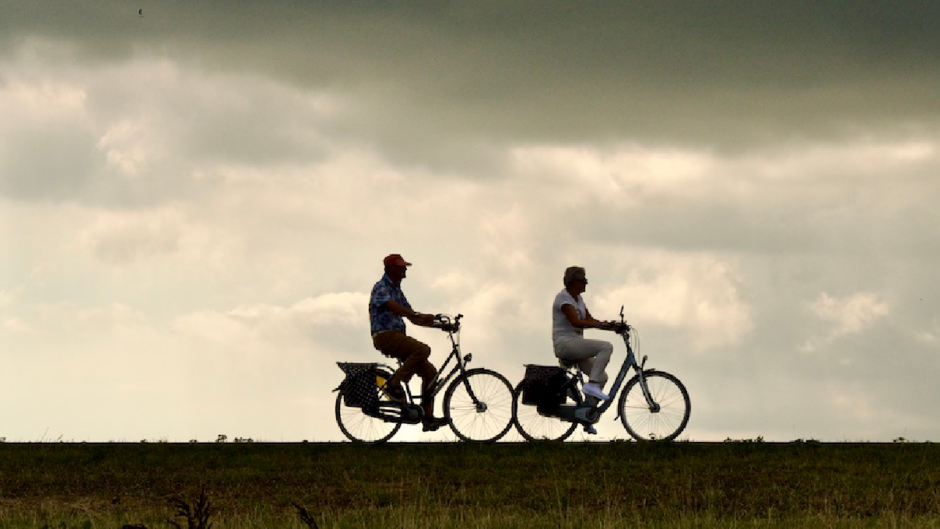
(654, 405)
(478, 402)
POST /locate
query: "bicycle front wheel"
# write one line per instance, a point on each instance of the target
(360, 427)
(665, 417)
(479, 406)
(537, 427)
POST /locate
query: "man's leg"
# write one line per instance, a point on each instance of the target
(410, 352)
(392, 345)
(426, 371)
(417, 362)
(413, 356)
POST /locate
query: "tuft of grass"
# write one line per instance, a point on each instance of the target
(196, 514)
(305, 517)
(758, 439)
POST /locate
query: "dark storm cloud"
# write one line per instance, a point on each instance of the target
(435, 77)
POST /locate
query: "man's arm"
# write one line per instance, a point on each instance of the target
(424, 320)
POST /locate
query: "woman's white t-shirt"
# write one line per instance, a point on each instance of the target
(562, 329)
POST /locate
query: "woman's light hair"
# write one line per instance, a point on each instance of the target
(573, 273)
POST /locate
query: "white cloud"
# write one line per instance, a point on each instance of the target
(15, 324)
(850, 314)
(123, 148)
(930, 335)
(697, 296)
(884, 157)
(112, 315)
(45, 138)
(846, 315)
(261, 327)
(508, 238)
(623, 173)
(125, 238)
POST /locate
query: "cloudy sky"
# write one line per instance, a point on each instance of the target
(195, 203)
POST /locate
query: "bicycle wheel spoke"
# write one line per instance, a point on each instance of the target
(665, 418)
(360, 427)
(534, 426)
(479, 405)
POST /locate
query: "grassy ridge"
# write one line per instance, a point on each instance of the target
(461, 485)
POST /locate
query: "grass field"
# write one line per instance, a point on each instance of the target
(734, 484)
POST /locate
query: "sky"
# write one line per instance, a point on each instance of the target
(196, 197)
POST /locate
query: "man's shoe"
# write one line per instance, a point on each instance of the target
(434, 423)
(594, 390)
(589, 428)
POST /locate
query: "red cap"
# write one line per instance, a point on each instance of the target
(395, 260)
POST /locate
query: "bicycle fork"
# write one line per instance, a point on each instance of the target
(654, 406)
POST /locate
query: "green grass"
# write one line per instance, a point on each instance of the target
(459, 485)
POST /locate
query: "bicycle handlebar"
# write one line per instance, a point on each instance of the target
(447, 323)
(621, 327)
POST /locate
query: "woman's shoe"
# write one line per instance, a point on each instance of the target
(594, 390)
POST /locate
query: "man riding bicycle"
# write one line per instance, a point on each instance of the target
(388, 307)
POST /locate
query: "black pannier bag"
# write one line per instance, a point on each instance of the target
(542, 385)
(359, 388)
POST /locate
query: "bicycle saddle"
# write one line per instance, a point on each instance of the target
(567, 364)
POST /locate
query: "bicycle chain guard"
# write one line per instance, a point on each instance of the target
(580, 414)
(396, 412)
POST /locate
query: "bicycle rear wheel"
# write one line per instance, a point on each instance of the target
(534, 426)
(665, 419)
(479, 406)
(360, 427)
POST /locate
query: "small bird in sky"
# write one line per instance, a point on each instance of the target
(140, 12)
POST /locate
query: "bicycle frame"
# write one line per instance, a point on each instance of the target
(452, 327)
(476, 402)
(629, 362)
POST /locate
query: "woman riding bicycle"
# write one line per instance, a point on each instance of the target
(570, 316)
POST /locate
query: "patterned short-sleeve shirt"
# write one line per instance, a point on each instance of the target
(381, 317)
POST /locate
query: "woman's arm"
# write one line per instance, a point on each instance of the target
(587, 323)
